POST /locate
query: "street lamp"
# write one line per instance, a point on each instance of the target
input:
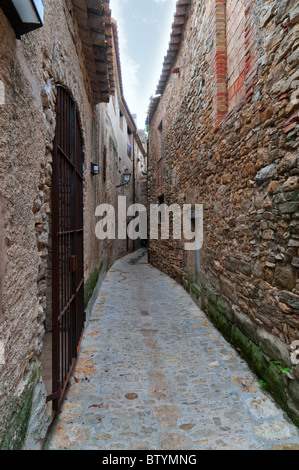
(23, 15)
(127, 178)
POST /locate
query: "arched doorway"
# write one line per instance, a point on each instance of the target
(67, 244)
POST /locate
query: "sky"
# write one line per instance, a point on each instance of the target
(144, 28)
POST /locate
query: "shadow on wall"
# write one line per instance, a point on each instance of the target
(2, 93)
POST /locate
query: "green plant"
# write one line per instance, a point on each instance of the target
(91, 284)
(283, 370)
(263, 385)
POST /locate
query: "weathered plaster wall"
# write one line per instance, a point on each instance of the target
(120, 160)
(243, 167)
(113, 141)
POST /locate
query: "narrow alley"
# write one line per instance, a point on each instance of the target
(154, 373)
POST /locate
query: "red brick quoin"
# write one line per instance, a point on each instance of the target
(233, 57)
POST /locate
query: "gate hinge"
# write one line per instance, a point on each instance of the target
(54, 396)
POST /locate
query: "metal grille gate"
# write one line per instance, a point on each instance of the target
(67, 244)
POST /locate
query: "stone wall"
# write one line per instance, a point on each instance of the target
(240, 161)
(30, 69)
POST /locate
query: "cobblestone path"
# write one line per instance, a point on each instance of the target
(154, 374)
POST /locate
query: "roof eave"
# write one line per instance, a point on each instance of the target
(176, 36)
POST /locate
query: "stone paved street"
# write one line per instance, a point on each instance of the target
(154, 374)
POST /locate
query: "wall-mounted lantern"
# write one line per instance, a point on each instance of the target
(127, 178)
(23, 15)
(95, 169)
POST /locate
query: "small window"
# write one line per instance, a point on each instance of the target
(161, 200)
(104, 165)
(160, 130)
(121, 120)
(129, 142)
(129, 151)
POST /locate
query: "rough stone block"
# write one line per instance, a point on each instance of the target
(220, 322)
(272, 346)
(240, 341)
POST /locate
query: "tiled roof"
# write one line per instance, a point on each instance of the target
(118, 79)
(94, 23)
(177, 31)
(117, 58)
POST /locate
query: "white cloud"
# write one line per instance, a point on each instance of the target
(165, 38)
(136, 91)
(129, 67)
